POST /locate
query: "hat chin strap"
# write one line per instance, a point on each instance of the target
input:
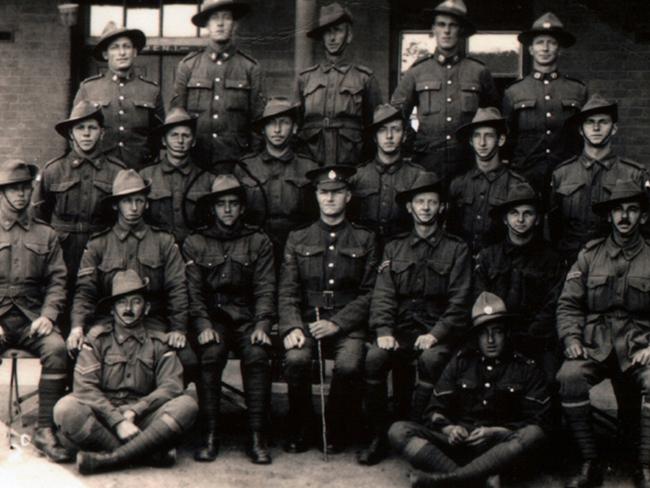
(433, 220)
(11, 205)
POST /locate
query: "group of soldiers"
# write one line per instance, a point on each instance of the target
(160, 243)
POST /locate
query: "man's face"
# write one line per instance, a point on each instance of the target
(86, 134)
(179, 140)
(598, 129)
(278, 131)
(129, 309)
(227, 209)
(486, 141)
(425, 207)
(521, 220)
(132, 207)
(332, 202)
(18, 194)
(544, 50)
(446, 30)
(120, 54)
(221, 26)
(337, 37)
(627, 217)
(390, 137)
(492, 340)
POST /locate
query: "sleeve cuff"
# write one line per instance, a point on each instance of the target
(50, 313)
(114, 418)
(384, 331)
(138, 408)
(201, 324)
(439, 331)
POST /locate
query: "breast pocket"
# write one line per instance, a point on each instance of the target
(295, 194)
(570, 106)
(114, 372)
(572, 199)
(153, 267)
(598, 293)
(526, 114)
(237, 95)
(314, 96)
(428, 96)
(310, 262)
(211, 266)
(36, 258)
(349, 100)
(638, 296)
(469, 93)
(437, 277)
(66, 197)
(404, 277)
(243, 267)
(160, 206)
(107, 269)
(145, 375)
(143, 113)
(199, 94)
(509, 398)
(468, 392)
(352, 266)
(366, 200)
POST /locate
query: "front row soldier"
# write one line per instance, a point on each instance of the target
(32, 295)
(324, 294)
(489, 408)
(603, 322)
(128, 403)
(419, 307)
(231, 281)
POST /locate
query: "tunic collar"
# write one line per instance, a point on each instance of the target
(552, 76)
(442, 59)
(138, 231)
(433, 240)
(168, 167)
(8, 220)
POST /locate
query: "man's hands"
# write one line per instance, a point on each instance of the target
(260, 337)
(42, 326)
(3, 337)
(389, 343)
(75, 340)
(208, 336)
(425, 341)
(176, 340)
(457, 434)
(642, 357)
(126, 429)
(322, 329)
(575, 350)
(294, 339)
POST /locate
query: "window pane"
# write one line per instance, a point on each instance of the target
(145, 19)
(177, 20)
(500, 52)
(100, 15)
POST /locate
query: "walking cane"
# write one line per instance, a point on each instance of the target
(321, 373)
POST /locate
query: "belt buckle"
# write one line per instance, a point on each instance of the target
(326, 122)
(328, 299)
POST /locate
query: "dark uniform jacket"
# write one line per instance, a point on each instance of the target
(474, 391)
(331, 268)
(605, 303)
(231, 278)
(337, 102)
(150, 251)
(471, 198)
(32, 271)
(169, 192)
(129, 370)
(537, 108)
(577, 184)
(423, 284)
(132, 107)
(374, 188)
(447, 92)
(225, 90)
(70, 189)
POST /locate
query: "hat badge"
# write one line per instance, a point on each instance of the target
(331, 175)
(488, 310)
(546, 25)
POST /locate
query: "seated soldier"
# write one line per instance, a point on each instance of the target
(32, 295)
(323, 296)
(231, 281)
(128, 401)
(488, 409)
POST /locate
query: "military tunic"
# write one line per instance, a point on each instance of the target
(226, 91)
(447, 91)
(337, 102)
(132, 106)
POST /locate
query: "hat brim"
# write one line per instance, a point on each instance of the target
(468, 28)
(406, 196)
(261, 122)
(507, 318)
(146, 189)
(238, 10)
(317, 32)
(502, 209)
(372, 128)
(161, 130)
(63, 127)
(601, 208)
(209, 198)
(564, 38)
(107, 302)
(464, 132)
(33, 171)
(136, 35)
(577, 119)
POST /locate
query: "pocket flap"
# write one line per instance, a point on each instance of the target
(351, 89)
(146, 362)
(312, 85)
(159, 193)
(4, 244)
(570, 103)
(567, 189)
(511, 388)
(102, 102)
(465, 384)
(309, 250)
(428, 85)
(109, 265)
(61, 186)
(639, 282)
(237, 84)
(399, 266)
(596, 280)
(199, 83)
(37, 247)
(242, 259)
(150, 261)
(470, 87)
(519, 104)
(112, 359)
(353, 252)
(297, 181)
(144, 104)
(104, 186)
(211, 260)
(440, 267)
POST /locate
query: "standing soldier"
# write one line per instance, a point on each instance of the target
(231, 281)
(172, 200)
(447, 88)
(32, 295)
(131, 103)
(278, 195)
(475, 194)
(323, 296)
(418, 308)
(603, 321)
(337, 97)
(538, 105)
(128, 401)
(222, 85)
(586, 179)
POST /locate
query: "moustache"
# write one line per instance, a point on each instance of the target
(624, 222)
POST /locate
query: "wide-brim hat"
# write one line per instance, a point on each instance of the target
(487, 116)
(623, 191)
(596, 104)
(548, 25)
(176, 116)
(276, 107)
(458, 10)
(224, 184)
(112, 32)
(330, 15)
(128, 182)
(15, 171)
(333, 177)
(208, 7)
(82, 111)
(425, 182)
(518, 194)
(124, 283)
(384, 113)
(488, 308)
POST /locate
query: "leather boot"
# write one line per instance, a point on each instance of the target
(258, 450)
(376, 451)
(45, 441)
(376, 406)
(591, 474)
(209, 401)
(209, 447)
(300, 409)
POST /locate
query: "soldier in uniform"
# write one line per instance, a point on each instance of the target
(376, 183)
(538, 105)
(337, 97)
(278, 195)
(324, 293)
(583, 180)
(152, 252)
(231, 281)
(475, 194)
(172, 200)
(32, 295)
(489, 408)
(447, 88)
(128, 401)
(221, 85)
(131, 103)
(418, 309)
